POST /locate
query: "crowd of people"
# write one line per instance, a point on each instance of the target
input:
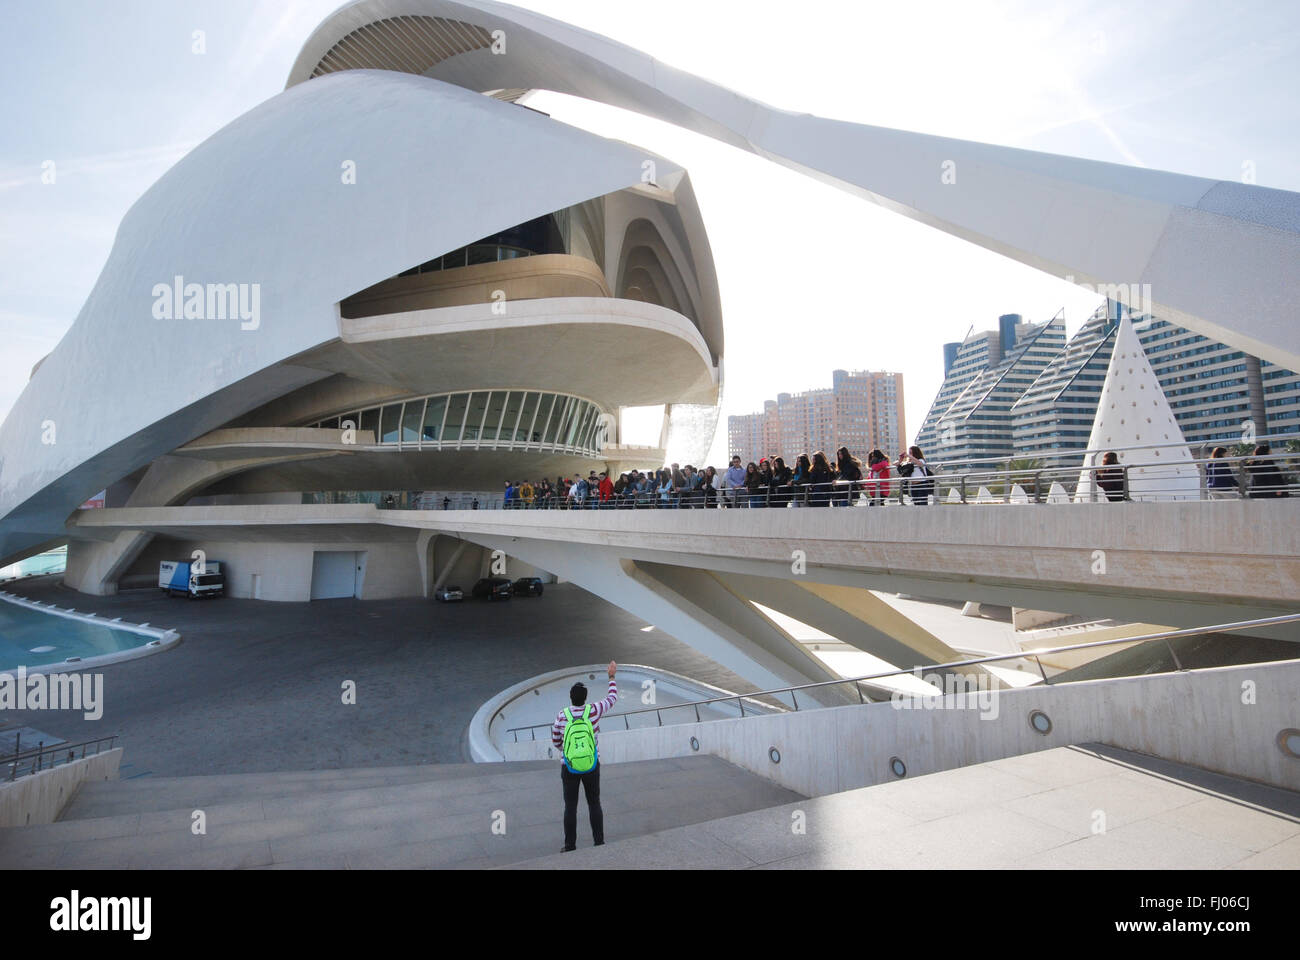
(817, 481)
(811, 481)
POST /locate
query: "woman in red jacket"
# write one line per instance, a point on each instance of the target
(878, 473)
(606, 488)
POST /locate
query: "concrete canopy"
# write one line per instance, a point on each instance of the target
(264, 203)
(1219, 257)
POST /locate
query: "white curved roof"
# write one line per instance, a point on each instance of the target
(1222, 258)
(264, 202)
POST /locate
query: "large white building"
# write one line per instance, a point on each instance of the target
(392, 276)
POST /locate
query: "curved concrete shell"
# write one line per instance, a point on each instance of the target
(1219, 257)
(321, 192)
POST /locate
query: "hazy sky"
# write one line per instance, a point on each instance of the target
(811, 278)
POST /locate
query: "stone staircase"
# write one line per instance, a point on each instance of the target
(436, 815)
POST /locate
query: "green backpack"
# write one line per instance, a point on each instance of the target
(579, 741)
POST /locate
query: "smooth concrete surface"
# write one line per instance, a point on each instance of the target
(418, 817)
(692, 572)
(1141, 562)
(332, 240)
(1215, 256)
(1069, 808)
(42, 796)
(257, 686)
(536, 277)
(647, 697)
(1225, 719)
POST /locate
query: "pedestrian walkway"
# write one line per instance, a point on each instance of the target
(1089, 807)
(434, 815)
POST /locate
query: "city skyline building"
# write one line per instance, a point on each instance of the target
(971, 418)
(861, 410)
(1217, 394)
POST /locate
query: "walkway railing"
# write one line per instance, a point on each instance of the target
(20, 762)
(857, 682)
(1223, 478)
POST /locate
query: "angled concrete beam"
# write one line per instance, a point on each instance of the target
(853, 615)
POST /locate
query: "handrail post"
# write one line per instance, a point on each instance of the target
(1042, 671)
(795, 699)
(1177, 664)
(741, 701)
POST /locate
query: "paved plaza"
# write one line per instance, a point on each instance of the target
(258, 686)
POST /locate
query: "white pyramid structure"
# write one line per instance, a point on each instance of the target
(1133, 411)
(1057, 493)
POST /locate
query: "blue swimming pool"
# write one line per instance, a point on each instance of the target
(51, 561)
(31, 638)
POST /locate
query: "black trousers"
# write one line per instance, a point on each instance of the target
(590, 782)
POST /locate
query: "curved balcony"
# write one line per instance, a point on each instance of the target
(507, 420)
(523, 276)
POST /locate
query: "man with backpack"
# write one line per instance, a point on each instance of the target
(574, 735)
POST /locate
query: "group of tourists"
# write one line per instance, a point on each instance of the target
(811, 481)
(818, 481)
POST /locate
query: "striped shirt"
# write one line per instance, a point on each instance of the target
(598, 710)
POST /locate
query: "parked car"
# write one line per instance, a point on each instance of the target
(493, 588)
(528, 587)
(449, 594)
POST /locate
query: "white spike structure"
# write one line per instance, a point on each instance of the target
(1133, 411)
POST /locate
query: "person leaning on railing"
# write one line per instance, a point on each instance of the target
(778, 489)
(821, 476)
(1266, 477)
(849, 468)
(1111, 480)
(878, 485)
(1219, 481)
(918, 483)
(710, 487)
(753, 485)
(765, 482)
(800, 481)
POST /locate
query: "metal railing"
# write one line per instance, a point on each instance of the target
(1246, 477)
(21, 763)
(1034, 655)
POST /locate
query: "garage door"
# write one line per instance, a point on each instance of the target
(333, 574)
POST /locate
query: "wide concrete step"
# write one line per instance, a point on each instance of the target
(110, 797)
(1088, 806)
(502, 815)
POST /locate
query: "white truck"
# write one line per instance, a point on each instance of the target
(182, 576)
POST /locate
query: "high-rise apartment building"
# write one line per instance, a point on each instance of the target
(1217, 393)
(970, 418)
(861, 410)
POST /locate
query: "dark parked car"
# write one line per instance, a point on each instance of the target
(449, 594)
(528, 587)
(493, 588)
